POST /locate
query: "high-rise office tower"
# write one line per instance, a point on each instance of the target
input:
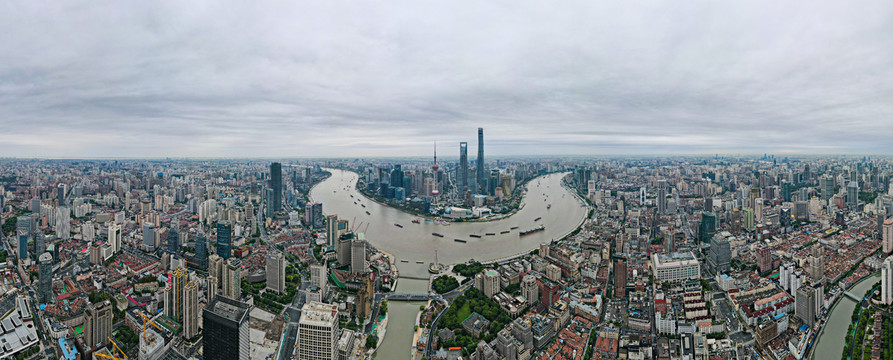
(620, 278)
(720, 255)
(23, 226)
(201, 250)
(224, 239)
(852, 195)
(805, 304)
(232, 279)
(786, 190)
(316, 210)
(173, 236)
(225, 329)
(826, 185)
(22, 246)
(358, 256)
(493, 182)
(529, 289)
(114, 237)
(45, 285)
(98, 323)
(343, 249)
(888, 236)
(707, 226)
(268, 196)
(190, 310)
(397, 176)
(662, 197)
(149, 236)
(60, 194)
(318, 329)
(462, 171)
(481, 180)
(331, 223)
(276, 184)
(817, 263)
(275, 272)
(318, 276)
(505, 345)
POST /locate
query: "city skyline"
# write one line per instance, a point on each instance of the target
(338, 80)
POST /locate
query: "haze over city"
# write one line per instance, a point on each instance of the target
(347, 79)
(461, 180)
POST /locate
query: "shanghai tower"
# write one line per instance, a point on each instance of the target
(463, 167)
(481, 181)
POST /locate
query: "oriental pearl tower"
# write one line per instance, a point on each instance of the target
(435, 192)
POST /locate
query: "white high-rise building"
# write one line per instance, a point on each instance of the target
(758, 209)
(318, 276)
(88, 233)
(887, 280)
(114, 237)
(318, 331)
(487, 282)
(787, 269)
(63, 223)
(887, 237)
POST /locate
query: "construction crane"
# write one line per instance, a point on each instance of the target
(117, 348)
(111, 357)
(104, 356)
(145, 321)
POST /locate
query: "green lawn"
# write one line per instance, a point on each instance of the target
(463, 312)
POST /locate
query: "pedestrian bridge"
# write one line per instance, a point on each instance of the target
(408, 297)
(853, 297)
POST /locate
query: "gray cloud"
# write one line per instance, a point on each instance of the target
(338, 78)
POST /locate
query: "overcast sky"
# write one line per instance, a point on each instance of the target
(383, 78)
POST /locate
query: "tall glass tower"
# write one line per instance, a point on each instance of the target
(224, 239)
(276, 184)
(481, 180)
(463, 167)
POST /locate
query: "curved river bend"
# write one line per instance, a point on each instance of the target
(831, 341)
(415, 242)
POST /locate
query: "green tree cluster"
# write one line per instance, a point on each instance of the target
(472, 301)
(371, 341)
(445, 284)
(468, 270)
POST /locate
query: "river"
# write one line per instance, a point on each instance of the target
(415, 243)
(397, 341)
(831, 341)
